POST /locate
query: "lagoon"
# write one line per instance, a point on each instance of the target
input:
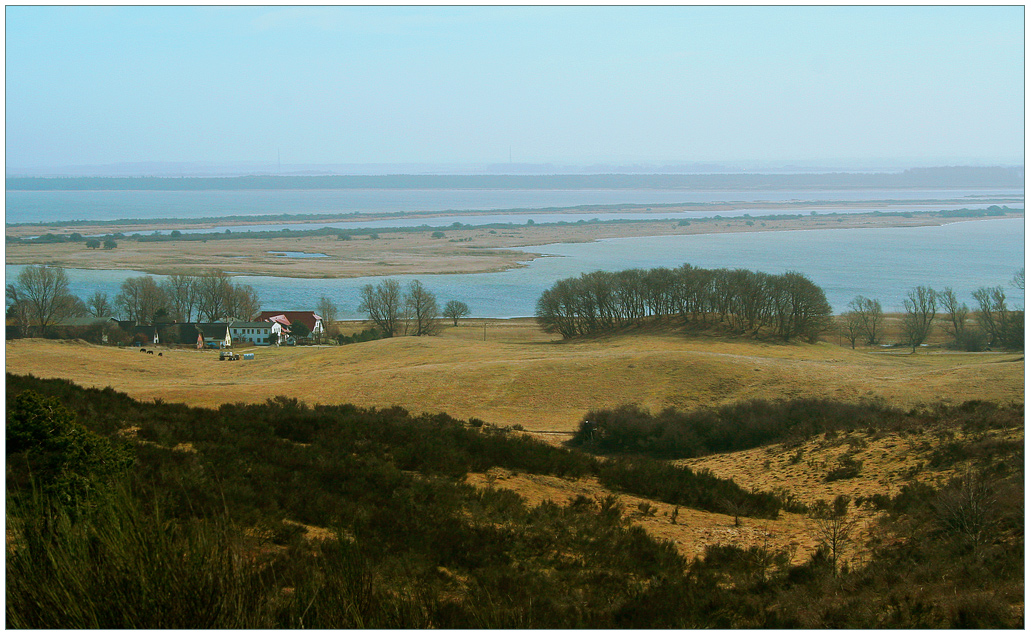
(881, 263)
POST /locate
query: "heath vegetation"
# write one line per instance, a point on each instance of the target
(285, 515)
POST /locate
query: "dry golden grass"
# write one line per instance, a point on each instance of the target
(519, 375)
(693, 530)
(890, 460)
(391, 254)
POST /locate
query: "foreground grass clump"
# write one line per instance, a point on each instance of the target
(213, 525)
(122, 566)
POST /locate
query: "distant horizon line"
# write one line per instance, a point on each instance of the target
(934, 177)
(200, 169)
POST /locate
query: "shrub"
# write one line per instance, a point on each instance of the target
(672, 434)
(848, 467)
(46, 444)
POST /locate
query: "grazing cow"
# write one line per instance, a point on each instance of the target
(151, 352)
(143, 351)
(160, 354)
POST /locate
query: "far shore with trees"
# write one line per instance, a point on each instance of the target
(737, 302)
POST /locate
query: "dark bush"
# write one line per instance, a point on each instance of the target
(674, 434)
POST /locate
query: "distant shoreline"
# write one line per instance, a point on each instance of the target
(466, 250)
(89, 227)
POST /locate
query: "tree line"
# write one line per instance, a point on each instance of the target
(39, 297)
(785, 306)
(991, 324)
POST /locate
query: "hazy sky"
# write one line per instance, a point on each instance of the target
(99, 85)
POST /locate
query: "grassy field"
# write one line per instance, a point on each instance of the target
(508, 372)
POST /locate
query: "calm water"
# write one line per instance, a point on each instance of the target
(877, 263)
(298, 254)
(34, 206)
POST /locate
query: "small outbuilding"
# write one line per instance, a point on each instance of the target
(215, 334)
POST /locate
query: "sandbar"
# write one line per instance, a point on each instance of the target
(416, 252)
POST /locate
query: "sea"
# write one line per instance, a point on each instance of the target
(34, 206)
(882, 263)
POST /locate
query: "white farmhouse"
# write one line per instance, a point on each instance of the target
(256, 333)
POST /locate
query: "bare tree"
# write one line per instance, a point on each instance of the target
(69, 306)
(855, 320)
(39, 292)
(141, 298)
(969, 508)
(992, 311)
(421, 305)
(921, 307)
(182, 291)
(99, 305)
(1014, 329)
(834, 528)
(382, 303)
(328, 310)
(954, 313)
(242, 302)
(17, 308)
(734, 507)
(214, 293)
(873, 318)
(455, 309)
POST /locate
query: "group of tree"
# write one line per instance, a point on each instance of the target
(863, 320)
(991, 324)
(39, 297)
(785, 305)
(412, 312)
(108, 244)
(209, 297)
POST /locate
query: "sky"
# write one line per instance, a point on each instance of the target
(927, 85)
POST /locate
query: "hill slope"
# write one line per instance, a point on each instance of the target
(519, 377)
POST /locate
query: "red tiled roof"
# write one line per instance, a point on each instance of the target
(307, 318)
(281, 319)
